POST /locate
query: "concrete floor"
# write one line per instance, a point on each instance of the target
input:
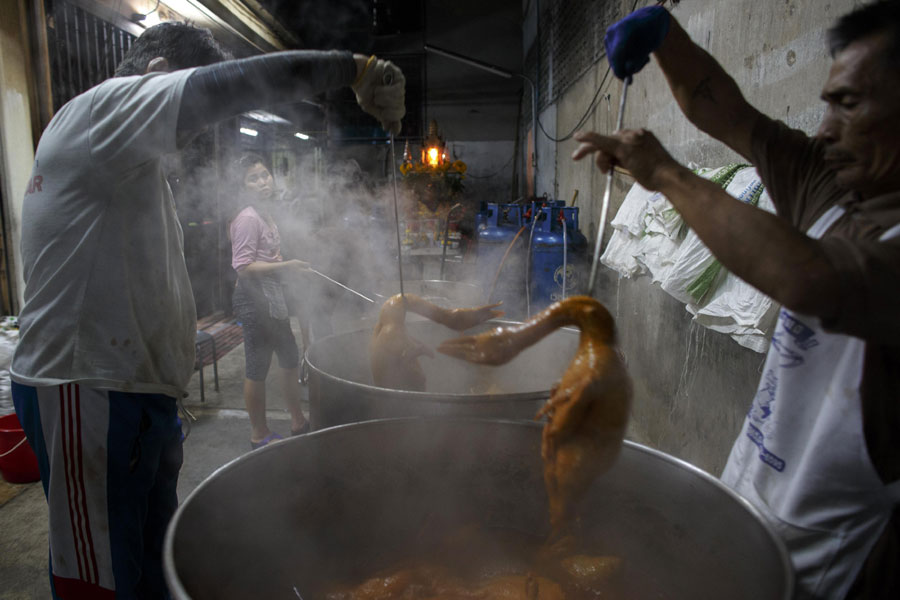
(220, 434)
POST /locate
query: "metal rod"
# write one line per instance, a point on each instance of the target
(446, 231)
(502, 261)
(565, 271)
(534, 220)
(474, 62)
(534, 132)
(397, 218)
(351, 290)
(388, 79)
(604, 207)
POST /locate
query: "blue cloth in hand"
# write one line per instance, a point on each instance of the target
(630, 41)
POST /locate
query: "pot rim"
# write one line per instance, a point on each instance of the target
(449, 397)
(174, 582)
(438, 281)
(395, 284)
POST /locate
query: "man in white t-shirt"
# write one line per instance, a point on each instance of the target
(107, 329)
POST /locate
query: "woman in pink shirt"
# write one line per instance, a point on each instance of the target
(259, 300)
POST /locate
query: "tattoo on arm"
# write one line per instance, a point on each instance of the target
(704, 91)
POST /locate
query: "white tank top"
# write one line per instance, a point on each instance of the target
(801, 457)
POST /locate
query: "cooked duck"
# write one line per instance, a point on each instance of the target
(588, 409)
(394, 354)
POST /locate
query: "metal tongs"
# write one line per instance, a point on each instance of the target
(388, 80)
(604, 208)
(338, 283)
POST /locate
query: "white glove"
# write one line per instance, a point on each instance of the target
(381, 92)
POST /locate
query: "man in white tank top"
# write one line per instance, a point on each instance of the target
(819, 451)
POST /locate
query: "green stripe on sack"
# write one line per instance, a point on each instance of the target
(704, 282)
(701, 286)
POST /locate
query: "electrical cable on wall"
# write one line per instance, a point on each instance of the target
(594, 101)
(591, 108)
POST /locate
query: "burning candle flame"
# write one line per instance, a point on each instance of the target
(433, 157)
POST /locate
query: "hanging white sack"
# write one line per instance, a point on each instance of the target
(626, 242)
(735, 307)
(630, 216)
(696, 271)
(620, 254)
(646, 232)
(656, 254)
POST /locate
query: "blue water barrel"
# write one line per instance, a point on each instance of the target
(499, 227)
(546, 273)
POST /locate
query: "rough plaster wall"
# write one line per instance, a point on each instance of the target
(693, 386)
(545, 183)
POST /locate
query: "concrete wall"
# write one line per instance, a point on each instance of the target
(489, 168)
(693, 386)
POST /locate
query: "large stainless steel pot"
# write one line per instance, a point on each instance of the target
(341, 388)
(442, 292)
(336, 505)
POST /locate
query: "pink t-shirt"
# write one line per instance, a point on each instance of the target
(253, 240)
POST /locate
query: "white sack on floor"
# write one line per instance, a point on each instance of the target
(9, 337)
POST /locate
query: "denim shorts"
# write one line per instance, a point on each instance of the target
(263, 335)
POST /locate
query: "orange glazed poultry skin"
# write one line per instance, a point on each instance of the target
(394, 355)
(433, 583)
(445, 576)
(587, 414)
(589, 407)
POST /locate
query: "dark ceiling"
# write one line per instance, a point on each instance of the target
(468, 103)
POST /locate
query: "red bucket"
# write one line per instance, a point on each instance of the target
(18, 464)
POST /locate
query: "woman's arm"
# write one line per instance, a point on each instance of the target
(282, 270)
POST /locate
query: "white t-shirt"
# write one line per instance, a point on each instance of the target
(108, 301)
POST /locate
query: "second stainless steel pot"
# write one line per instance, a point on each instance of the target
(341, 388)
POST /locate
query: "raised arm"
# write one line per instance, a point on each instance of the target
(283, 270)
(222, 90)
(762, 249)
(707, 95)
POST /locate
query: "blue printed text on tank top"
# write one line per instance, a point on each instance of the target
(759, 419)
(750, 191)
(792, 339)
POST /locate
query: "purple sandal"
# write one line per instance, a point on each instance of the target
(265, 441)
